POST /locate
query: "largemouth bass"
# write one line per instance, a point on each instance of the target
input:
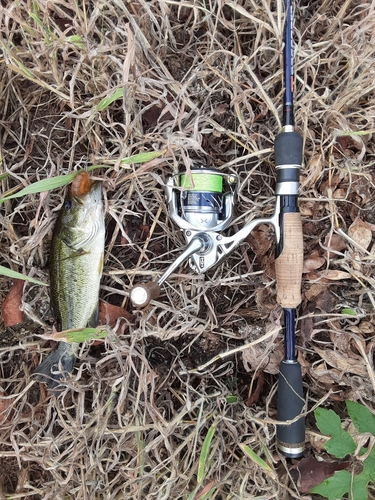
(76, 263)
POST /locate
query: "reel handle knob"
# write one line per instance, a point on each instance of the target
(142, 294)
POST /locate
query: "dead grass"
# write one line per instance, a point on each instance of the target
(202, 81)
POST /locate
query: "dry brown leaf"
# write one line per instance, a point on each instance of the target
(263, 356)
(328, 275)
(4, 405)
(314, 169)
(335, 275)
(366, 327)
(326, 302)
(324, 375)
(334, 243)
(360, 232)
(312, 472)
(313, 262)
(109, 314)
(260, 240)
(340, 194)
(315, 290)
(10, 309)
(346, 363)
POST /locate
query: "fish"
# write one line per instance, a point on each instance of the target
(75, 269)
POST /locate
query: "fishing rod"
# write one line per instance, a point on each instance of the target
(201, 203)
(289, 257)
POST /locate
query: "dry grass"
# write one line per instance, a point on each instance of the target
(200, 80)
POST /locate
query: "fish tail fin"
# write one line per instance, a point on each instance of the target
(59, 362)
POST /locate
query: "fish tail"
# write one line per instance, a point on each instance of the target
(58, 363)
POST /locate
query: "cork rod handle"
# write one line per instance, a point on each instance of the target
(289, 263)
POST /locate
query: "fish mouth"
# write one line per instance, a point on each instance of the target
(93, 197)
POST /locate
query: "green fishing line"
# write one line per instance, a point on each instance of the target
(202, 182)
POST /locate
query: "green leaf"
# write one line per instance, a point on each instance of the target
(138, 158)
(350, 312)
(255, 458)
(5, 271)
(362, 418)
(79, 335)
(43, 185)
(343, 482)
(106, 101)
(204, 452)
(335, 487)
(341, 443)
(231, 399)
(328, 421)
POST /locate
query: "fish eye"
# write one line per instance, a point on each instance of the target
(67, 205)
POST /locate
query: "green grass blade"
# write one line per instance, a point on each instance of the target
(75, 40)
(255, 458)
(43, 185)
(204, 453)
(80, 335)
(107, 101)
(63, 180)
(137, 158)
(5, 271)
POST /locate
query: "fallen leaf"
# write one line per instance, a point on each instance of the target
(264, 356)
(340, 194)
(360, 232)
(315, 290)
(328, 275)
(254, 396)
(109, 314)
(260, 240)
(346, 363)
(334, 275)
(314, 169)
(312, 472)
(326, 302)
(324, 375)
(4, 405)
(313, 262)
(366, 327)
(334, 243)
(10, 309)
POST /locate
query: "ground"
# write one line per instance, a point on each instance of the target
(91, 83)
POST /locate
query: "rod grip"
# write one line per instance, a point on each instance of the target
(290, 402)
(289, 263)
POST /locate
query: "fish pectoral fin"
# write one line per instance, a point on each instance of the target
(77, 252)
(94, 318)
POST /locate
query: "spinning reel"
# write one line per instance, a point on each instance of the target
(201, 204)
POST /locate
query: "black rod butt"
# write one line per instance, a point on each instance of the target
(290, 403)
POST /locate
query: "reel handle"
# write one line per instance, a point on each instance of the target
(142, 294)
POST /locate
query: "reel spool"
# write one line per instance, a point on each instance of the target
(201, 200)
(202, 197)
